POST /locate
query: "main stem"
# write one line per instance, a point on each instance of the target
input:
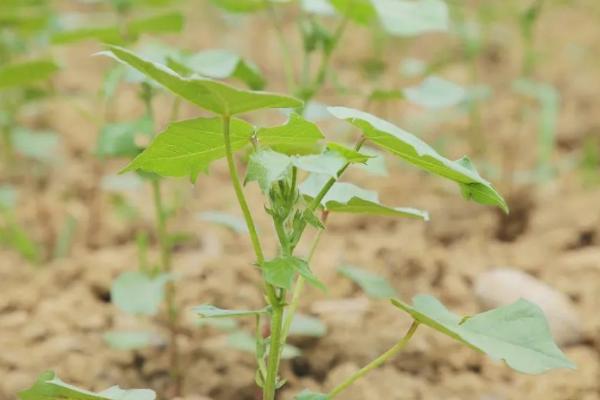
(379, 361)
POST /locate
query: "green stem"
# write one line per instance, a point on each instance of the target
(379, 361)
(274, 351)
(288, 66)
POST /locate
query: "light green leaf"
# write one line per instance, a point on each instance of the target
(50, 387)
(436, 93)
(415, 151)
(351, 155)
(187, 147)
(214, 96)
(517, 333)
(376, 165)
(327, 163)
(243, 6)
(304, 270)
(308, 395)
(118, 139)
(412, 17)
(280, 272)
(40, 146)
(26, 73)
(131, 340)
(304, 325)
(165, 23)
(386, 95)
(360, 11)
(374, 285)
(137, 293)
(349, 198)
(108, 34)
(296, 136)
(232, 222)
(317, 7)
(267, 167)
(245, 342)
(210, 311)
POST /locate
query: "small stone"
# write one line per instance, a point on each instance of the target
(502, 286)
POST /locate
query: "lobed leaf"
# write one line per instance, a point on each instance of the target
(50, 387)
(214, 96)
(517, 333)
(349, 198)
(26, 73)
(210, 311)
(137, 293)
(187, 147)
(374, 285)
(415, 151)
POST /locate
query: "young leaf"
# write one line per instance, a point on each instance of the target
(415, 151)
(131, 340)
(280, 272)
(374, 285)
(50, 387)
(137, 293)
(410, 18)
(308, 395)
(232, 222)
(360, 11)
(349, 198)
(210, 311)
(351, 155)
(517, 333)
(187, 147)
(267, 167)
(296, 136)
(436, 93)
(214, 96)
(26, 73)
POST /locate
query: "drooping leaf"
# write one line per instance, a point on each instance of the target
(517, 333)
(436, 93)
(243, 341)
(296, 136)
(348, 198)
(415, 151)
(360, 11)
(137, 293)
(232, 222)
(281, 271)
(374, 285)
(214, 96)
(304, 325)
(50, 387)
(131, 340)
(26, 73)
(210, 311)
(412, 17)
(308, 395)
(187, 147)
(220, 64)
(119, 139)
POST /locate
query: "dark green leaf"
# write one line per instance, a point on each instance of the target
(517, 333)
(374, 285)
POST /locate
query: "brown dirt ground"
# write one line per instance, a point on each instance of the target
(54, 316)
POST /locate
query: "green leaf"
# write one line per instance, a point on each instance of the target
(360, 11)
(376, 165)
(317, 7)
(245, 342)
(296, 136)
(386, 95)
(349, 198)
(210, 311)
(118, 139)
(280, 272)
(415, 151)
(40, 146)
(137, 293)
(267, 167)
(436, 93)
(374, 285)
(308, 395)
(131, 340)
(327, 163)
(351, 155)
(50, 387)
(187, 147)
(220, 64)
(214, 96)
(412, 17)
(517, 333)
(165, 23)
(108, 34)
(232, 222)
(304, 325)
(243, 6)
(26, 73)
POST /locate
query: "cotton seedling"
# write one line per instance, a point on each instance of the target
(297, 186)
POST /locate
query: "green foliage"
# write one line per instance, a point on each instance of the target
(26, 73)
(40, 146)
(360, 11)
(517, 333)
(245, 342)
(281, 271)
(188, 147)
(138, 293)
(374, 285)
(210, 311)
(436, 93)
(50, 387)
(131, 340)
(415, 151)
(214, 96)
(412, 17)
(119, 139)
(296, 136)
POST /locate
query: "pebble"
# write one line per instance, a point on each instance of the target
(502, 286)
